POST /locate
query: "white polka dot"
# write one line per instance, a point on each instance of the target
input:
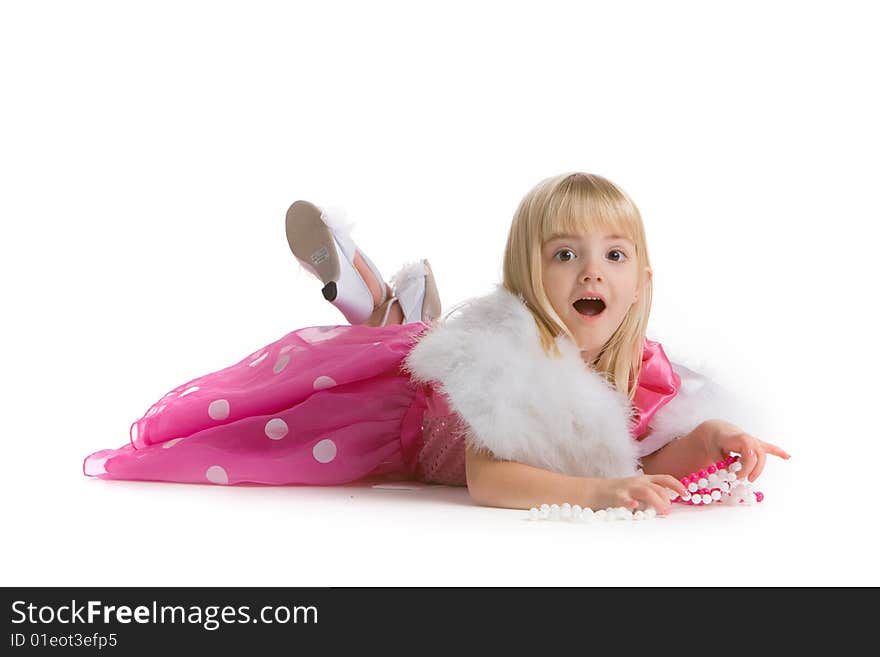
(219, 409)
(189, 390)
(276, 428)
(171, 443)
(259, 360)
(281, 363)
(217, 475)
(96, 466)
(155, 409)
(324, 451)
(323, 382)
(284, 350)
(133, 432)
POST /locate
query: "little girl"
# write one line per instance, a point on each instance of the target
(545, 390)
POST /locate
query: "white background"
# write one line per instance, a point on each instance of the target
(150, 150)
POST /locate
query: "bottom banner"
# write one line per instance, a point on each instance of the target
(137, 620)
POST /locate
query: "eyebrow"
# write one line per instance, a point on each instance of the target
(561, 236)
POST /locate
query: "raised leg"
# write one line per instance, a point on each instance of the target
(395, 314)
(372, 284)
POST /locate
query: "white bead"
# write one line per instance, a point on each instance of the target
(565, 511)
(713, 479)
(554, 512)
(707, 499)
(587, 515)
(692, 487)
(696, 499)
(650, 512)
(544, 513)
(545, 508)
(722, 474)
(600, 514)
(686, 497)
(702, 482)
(736, 467)
(725, 487)
(576, 511)
(534, 514)
(639, 515)
(716, 494)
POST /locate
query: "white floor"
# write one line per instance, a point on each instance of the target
(63, 529)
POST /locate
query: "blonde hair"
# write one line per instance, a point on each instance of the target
(575, 203)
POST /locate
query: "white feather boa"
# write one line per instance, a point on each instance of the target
(555, 414)
(521, 405)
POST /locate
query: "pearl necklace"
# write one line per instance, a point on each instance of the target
(716, 483)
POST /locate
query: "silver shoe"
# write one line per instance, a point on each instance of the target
(323, 246)
(414, 289)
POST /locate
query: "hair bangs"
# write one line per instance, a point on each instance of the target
(588, 204)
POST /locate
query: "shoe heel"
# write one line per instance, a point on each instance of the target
(329, 291)
(431, 309)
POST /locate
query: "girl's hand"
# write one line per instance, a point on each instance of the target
(719, 438)
(650, 490)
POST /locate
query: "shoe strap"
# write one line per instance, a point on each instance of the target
(388, 309)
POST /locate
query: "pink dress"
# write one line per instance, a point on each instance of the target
(322, 405)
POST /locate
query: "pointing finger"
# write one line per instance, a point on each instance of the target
(770, 448)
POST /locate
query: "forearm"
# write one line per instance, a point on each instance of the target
(513, 485)
(678, 458)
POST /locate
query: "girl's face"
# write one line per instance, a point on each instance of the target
(598, 265)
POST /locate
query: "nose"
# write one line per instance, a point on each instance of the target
(591, 270)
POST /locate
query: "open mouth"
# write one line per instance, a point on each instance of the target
(589, 307)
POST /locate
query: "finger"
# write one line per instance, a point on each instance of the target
(737, 442)
(668, 481)
(625, 499)
(770, 448)
(748, 459)
(655, 496)
(759, 466)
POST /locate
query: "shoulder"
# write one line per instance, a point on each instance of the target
(483, 329)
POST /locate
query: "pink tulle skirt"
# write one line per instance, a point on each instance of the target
(321, 405)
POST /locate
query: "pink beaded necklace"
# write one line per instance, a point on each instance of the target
(716, 482)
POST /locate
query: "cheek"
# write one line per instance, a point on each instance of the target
(551, 288)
